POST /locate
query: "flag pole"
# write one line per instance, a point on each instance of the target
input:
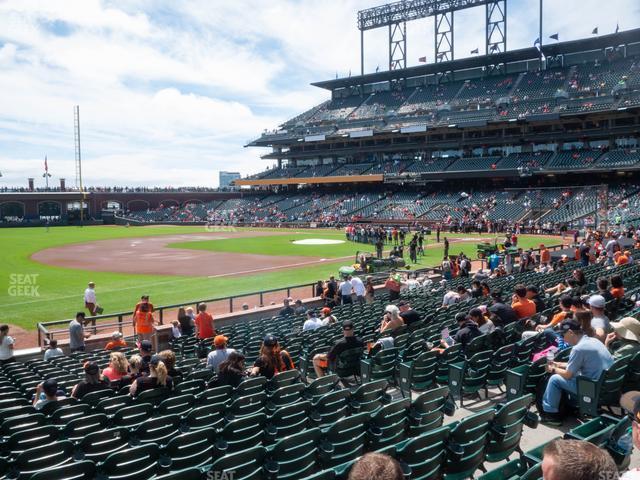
(540, 26)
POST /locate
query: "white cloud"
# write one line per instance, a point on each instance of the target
(170, 92)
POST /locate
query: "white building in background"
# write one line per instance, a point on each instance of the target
(227, 177)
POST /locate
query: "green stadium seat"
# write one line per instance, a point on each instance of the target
(330, 407)
(92, 398)
(191, 449)
(157, 430)
(186, 474)
(132, 416)
(206, 416)
(42, 458)
(21, 422)
(221, 395)
(190, 387)
(288, 420)
(31, 438)
(97, 446)
(295, 456)
(605, 392)
(506, 429)
(369, 397)
(285, 395)
(249, 404)
(109, 406)
(154, 396)
(320, 386)
(344, 440)
(283, 379)
(242, 433)
(509, 471)
(389, 424)
(419, 374)
(77, 428)
(177, 404)
(524, 379)
(423, 457)
(242, 465)
(428, 409)
(449, 356)
(85, 470)
(381, 366)
(251, 386)
(469, 376)
(63, 415)
(467, 443)
(135, 463)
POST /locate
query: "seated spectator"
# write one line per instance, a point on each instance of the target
(600, 322)
(467, 331)
(286, 310)
(625, 338)
(476, 289)
(169, 359)
(523, 307)
(484, 324)
(617, 287)
(534, 295)
(588, 358)
(219, 354)
(145, 353)
(299, 308)
(409, 315)
(327, 317)
(158, 378)
(322, 361)
(376, 466)
(231, 371)
(53, 351)
(176, 332)
(603, 289)
(565, 308)
(501, 313)
(186, 321)
(272, 359)
(46, 392)
(630, 403)
(92, 382)
(391, 319)
(620, 258)
(135, 367)
(577, 460)
(453, 296)
(312, 322)
(116, 343)
(118, 367)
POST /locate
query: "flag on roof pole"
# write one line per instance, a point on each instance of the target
(377, 68)
(475, 51)
(493, 48)
(594, 31)
(422, 59)
(46, 166)
(537, 43)
(554, 36)
(617, 27)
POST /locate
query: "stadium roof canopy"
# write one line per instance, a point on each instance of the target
(554, 49)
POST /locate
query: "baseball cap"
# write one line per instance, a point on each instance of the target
(596, 301)
(403, 303)
(220, 341)
(326, 311)
(145, 345)
(570, 324)
(91, 368)
(50, 386)
(155, 359)
(347, 325)
(628, 328)
(270, 340)
(630, 402)
(116, 335)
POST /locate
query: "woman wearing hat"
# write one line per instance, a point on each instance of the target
(625, 338)
(116, 343)
(272, 359)
(92, 382)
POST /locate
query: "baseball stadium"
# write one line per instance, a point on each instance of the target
(432, 274)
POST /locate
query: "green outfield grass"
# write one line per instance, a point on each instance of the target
(56, 293)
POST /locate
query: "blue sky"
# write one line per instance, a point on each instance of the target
(169, 92)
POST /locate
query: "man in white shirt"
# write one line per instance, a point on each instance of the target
(345, 289)
(90, 301)
(609, 248)
(358, 288)
(450, 298)
(312, 321)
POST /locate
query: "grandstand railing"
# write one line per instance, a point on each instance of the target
(122, 320)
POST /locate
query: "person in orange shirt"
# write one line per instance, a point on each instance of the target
(620, 259)
(523, 307)
(116, 342)
(143, 322)
(545, 255)
(617, 287)
(204, 323)
(143, 299)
